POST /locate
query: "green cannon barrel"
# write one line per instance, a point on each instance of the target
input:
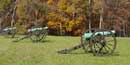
(9, 29)
(37, 29)
(87, 36)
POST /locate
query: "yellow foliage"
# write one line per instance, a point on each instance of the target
(80, 18)
(51, 23)
(52, 14)
(71, 25)
(78, 32)
(62, 4)
(50, 2)
(77, 22)
(22, 29)
(63, 19)
(20, 11)
(70, 9)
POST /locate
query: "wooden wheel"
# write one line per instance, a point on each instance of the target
(38, 35)
(86, 42)
(43, 34)
(103, 42)
(13, 33)
(35, 36)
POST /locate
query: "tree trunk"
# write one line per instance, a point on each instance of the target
(101, 15)
(0, 24)
(14, 14)
(61, 29)
(90, 13)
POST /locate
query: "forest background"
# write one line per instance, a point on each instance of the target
(66, 17)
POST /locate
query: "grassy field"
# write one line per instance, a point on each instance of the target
(45, 53)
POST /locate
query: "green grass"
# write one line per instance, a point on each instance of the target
(45, 53)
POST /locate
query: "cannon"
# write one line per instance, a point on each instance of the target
(36, 34)
(9, 31)
(100, 42)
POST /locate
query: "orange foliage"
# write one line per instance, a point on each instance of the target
(50, 2)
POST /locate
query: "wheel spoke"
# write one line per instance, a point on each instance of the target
(109, 44)
(97, 45)
(108, 47)
(94, 47)
(98, 50)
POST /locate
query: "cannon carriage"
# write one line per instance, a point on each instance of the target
(36, 34)
(100, 42)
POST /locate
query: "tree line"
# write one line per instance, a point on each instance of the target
(66, 17)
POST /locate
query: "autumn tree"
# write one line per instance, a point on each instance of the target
(66, 17)
(6, 9)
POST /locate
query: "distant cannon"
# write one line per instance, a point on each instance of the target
(9, 31)
(36, 34)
